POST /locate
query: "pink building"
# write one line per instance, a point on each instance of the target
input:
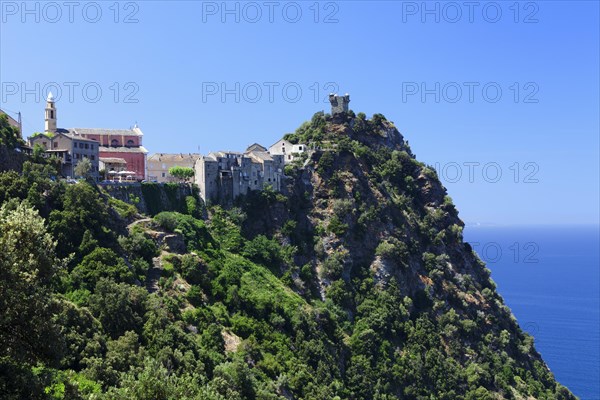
(119, 143)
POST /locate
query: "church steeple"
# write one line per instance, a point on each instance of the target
(50, 124)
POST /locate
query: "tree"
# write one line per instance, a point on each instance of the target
(27, 265)
(182, 173)
(9, 135)
(83, 168)
(100, 263)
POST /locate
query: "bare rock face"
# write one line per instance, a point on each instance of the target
(172, 242)
(175, 244)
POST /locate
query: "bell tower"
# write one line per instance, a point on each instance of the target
(50, 120)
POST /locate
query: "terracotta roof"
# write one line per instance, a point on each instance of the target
(63, 132)
(167, 157)
(260, 155)
(108, 149)
(101, 131)
(256, 147)
(112, 160)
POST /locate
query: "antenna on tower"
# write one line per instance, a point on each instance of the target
(20, 124)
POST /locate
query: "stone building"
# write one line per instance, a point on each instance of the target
(112, 143)
(286, 149)
(70, 149)
(339, 104)
(222, 176)
(160, 163)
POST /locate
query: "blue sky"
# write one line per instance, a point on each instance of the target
(508, 93)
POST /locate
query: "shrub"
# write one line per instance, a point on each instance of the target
(100, 263)
(193, 207)
(194, 231)
(194, 296)
(393, 249)
(336, 226)
(343, 207)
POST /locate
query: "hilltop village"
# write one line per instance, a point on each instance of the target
(118, 155)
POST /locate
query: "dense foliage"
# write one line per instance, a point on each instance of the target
(355, 284)
(9, 135)
(183, 173)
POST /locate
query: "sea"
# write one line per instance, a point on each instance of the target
(549, 276)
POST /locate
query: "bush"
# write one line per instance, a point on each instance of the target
(393, 249)
(100, 263)
(194, 231)
(138, 245)
(336, 226)
(264, 251)
(193, 207)
(194, 296)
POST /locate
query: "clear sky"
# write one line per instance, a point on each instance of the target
(502, 97)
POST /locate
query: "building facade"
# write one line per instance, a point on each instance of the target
(125, 144)
(286, 149)
(223, 176)
(70, 149)
(160, 163)
(120, 143)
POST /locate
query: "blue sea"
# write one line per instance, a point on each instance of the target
(549, 277)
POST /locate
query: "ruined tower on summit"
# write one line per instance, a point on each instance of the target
(339, 104)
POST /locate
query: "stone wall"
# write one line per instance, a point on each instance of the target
(152, 198)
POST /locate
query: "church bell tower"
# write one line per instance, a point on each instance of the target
(50, 121)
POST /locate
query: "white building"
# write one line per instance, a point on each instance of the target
(288, 150)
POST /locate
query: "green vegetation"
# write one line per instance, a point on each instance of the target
(83, 168)
(9, 135)
(355, 284)
(182, 173)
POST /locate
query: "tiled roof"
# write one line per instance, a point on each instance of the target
(108, 149)
(63, 132)
(101, 131)
(260, 155)
(112, 160)
(256, 147)
(287, 142)
(164, 157)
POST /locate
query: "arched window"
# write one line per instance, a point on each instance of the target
(114, 142)
(130, 142)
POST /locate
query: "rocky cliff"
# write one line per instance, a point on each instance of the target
(369, 221)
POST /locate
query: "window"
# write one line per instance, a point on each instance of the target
(300, 147)
(163, 174)
(81, 145)
(130, 142)
(114, 142)
(87, 146)
(55, 145)
(93, 157)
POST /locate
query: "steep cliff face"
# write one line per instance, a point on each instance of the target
(370, 222)
(153, 198)
(354, 283)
